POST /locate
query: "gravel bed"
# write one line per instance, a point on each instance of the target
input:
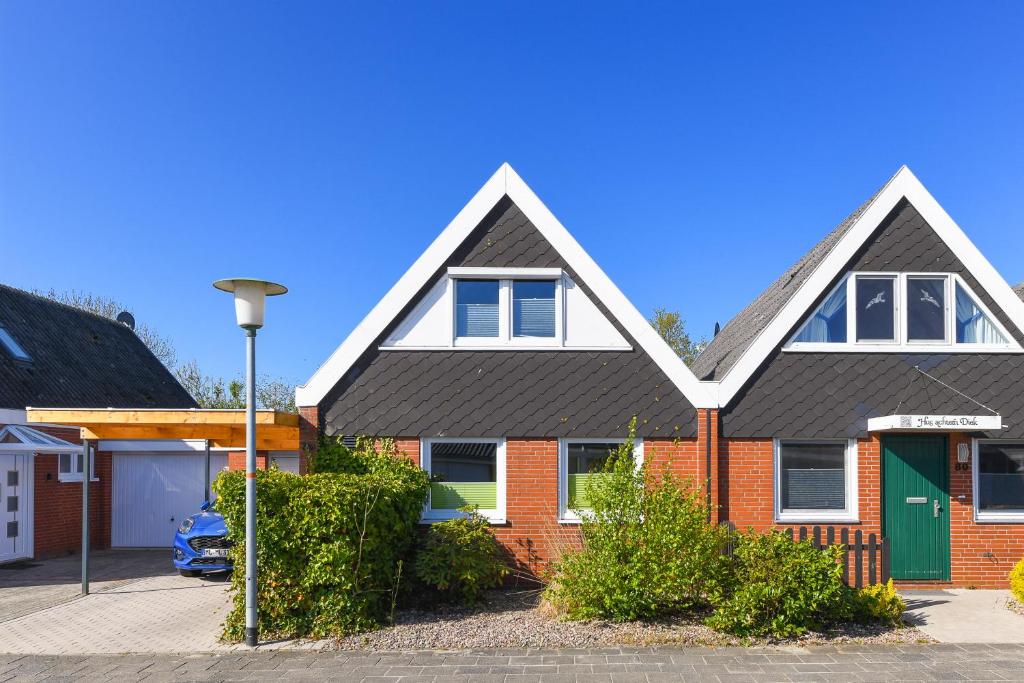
(1015, 606)
(510, 619)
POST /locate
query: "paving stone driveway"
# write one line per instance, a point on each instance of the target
(853, 663)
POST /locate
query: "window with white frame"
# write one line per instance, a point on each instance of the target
(920, 311)
(12, 347)
(69, 467)
(815, 480)
(523, 311)
(464, 472)
(581, 462)
(999, 481)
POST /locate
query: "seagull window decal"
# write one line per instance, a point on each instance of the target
(877, 299)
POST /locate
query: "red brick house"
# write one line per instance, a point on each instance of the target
(58, 356)
(875, 386)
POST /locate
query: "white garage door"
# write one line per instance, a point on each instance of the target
(153, 492)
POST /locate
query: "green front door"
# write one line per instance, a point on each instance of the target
(916, 485)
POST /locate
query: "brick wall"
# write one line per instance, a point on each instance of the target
(236, 460)
(532, 534)
(309, 421)
(981, 554)
(58, 505)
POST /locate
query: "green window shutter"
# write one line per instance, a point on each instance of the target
(453, 495)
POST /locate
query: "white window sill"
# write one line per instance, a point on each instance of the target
(791, 518)
(74, 480)
(435, 516)
(999, 517)
(570, 520)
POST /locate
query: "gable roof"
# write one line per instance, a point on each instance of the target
(728, 345)
(762, 326)
(78, 359)
(504, 183)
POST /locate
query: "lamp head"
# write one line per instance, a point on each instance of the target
(250, 298)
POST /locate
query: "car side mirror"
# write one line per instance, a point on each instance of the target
(205, 506)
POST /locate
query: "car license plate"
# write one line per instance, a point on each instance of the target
(215, 552)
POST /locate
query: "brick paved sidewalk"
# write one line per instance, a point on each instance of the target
(853, 663)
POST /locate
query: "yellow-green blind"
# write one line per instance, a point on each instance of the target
(453, 495)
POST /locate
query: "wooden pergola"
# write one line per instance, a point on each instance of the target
(275, 431)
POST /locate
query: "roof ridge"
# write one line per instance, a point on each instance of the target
(47, 300)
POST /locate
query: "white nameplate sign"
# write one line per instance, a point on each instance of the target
(940, 423)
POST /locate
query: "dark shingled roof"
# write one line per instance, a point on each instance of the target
(507, 393)
(78, 360)
(740, 332)
(1019, 290)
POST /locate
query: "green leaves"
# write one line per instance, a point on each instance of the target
(327, 543)
(461, 558)
(782, 588)
(648, 549)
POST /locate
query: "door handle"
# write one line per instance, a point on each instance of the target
(935, 508)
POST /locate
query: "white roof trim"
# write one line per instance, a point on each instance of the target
(504, 181)
(903, 185)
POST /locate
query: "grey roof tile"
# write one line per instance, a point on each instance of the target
(79, 360)
(507, 393)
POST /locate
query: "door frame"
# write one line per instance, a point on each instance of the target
(947, 571)
(29, 508)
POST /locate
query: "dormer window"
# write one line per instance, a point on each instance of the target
(507, 307)
(12, 347)
(915, 311)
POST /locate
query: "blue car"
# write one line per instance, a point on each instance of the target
(201, 544)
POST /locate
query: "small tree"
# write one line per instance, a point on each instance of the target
(672, 329)
(215, 392)
(648, 548)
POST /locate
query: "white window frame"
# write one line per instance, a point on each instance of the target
(948, 310)
(902, 343)
(897, 314)
(565, 515)
(505, 277)
(990, 516)
(13, 346)
(847, 516)
(76, 458)
(495, 516)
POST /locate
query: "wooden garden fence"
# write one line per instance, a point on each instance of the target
(867, 562)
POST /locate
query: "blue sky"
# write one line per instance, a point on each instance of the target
(695, 150)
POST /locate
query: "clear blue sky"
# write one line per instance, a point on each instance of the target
(695, 151)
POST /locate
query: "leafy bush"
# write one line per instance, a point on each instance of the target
(782, 588)
(880, 602)
(648, 548)
(460, 557)
(1017, 581)
(328, 544)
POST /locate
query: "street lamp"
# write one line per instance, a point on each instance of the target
(250, 300)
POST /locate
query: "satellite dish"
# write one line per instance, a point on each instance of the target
(126, 319)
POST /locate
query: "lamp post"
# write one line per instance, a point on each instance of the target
(250, 301)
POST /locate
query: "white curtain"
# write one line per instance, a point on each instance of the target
(972, 325)
(816, 329)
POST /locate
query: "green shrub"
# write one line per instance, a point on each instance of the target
(782, 588)
(1017, 581)
(328, 544)
(460, 557)
(647, 547)
(880, 602)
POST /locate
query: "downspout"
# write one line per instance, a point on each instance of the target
(707, 438)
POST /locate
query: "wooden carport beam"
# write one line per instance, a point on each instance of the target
(275, 430)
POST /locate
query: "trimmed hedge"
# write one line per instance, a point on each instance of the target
(329, 545)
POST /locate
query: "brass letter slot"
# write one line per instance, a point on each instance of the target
(913, 500)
